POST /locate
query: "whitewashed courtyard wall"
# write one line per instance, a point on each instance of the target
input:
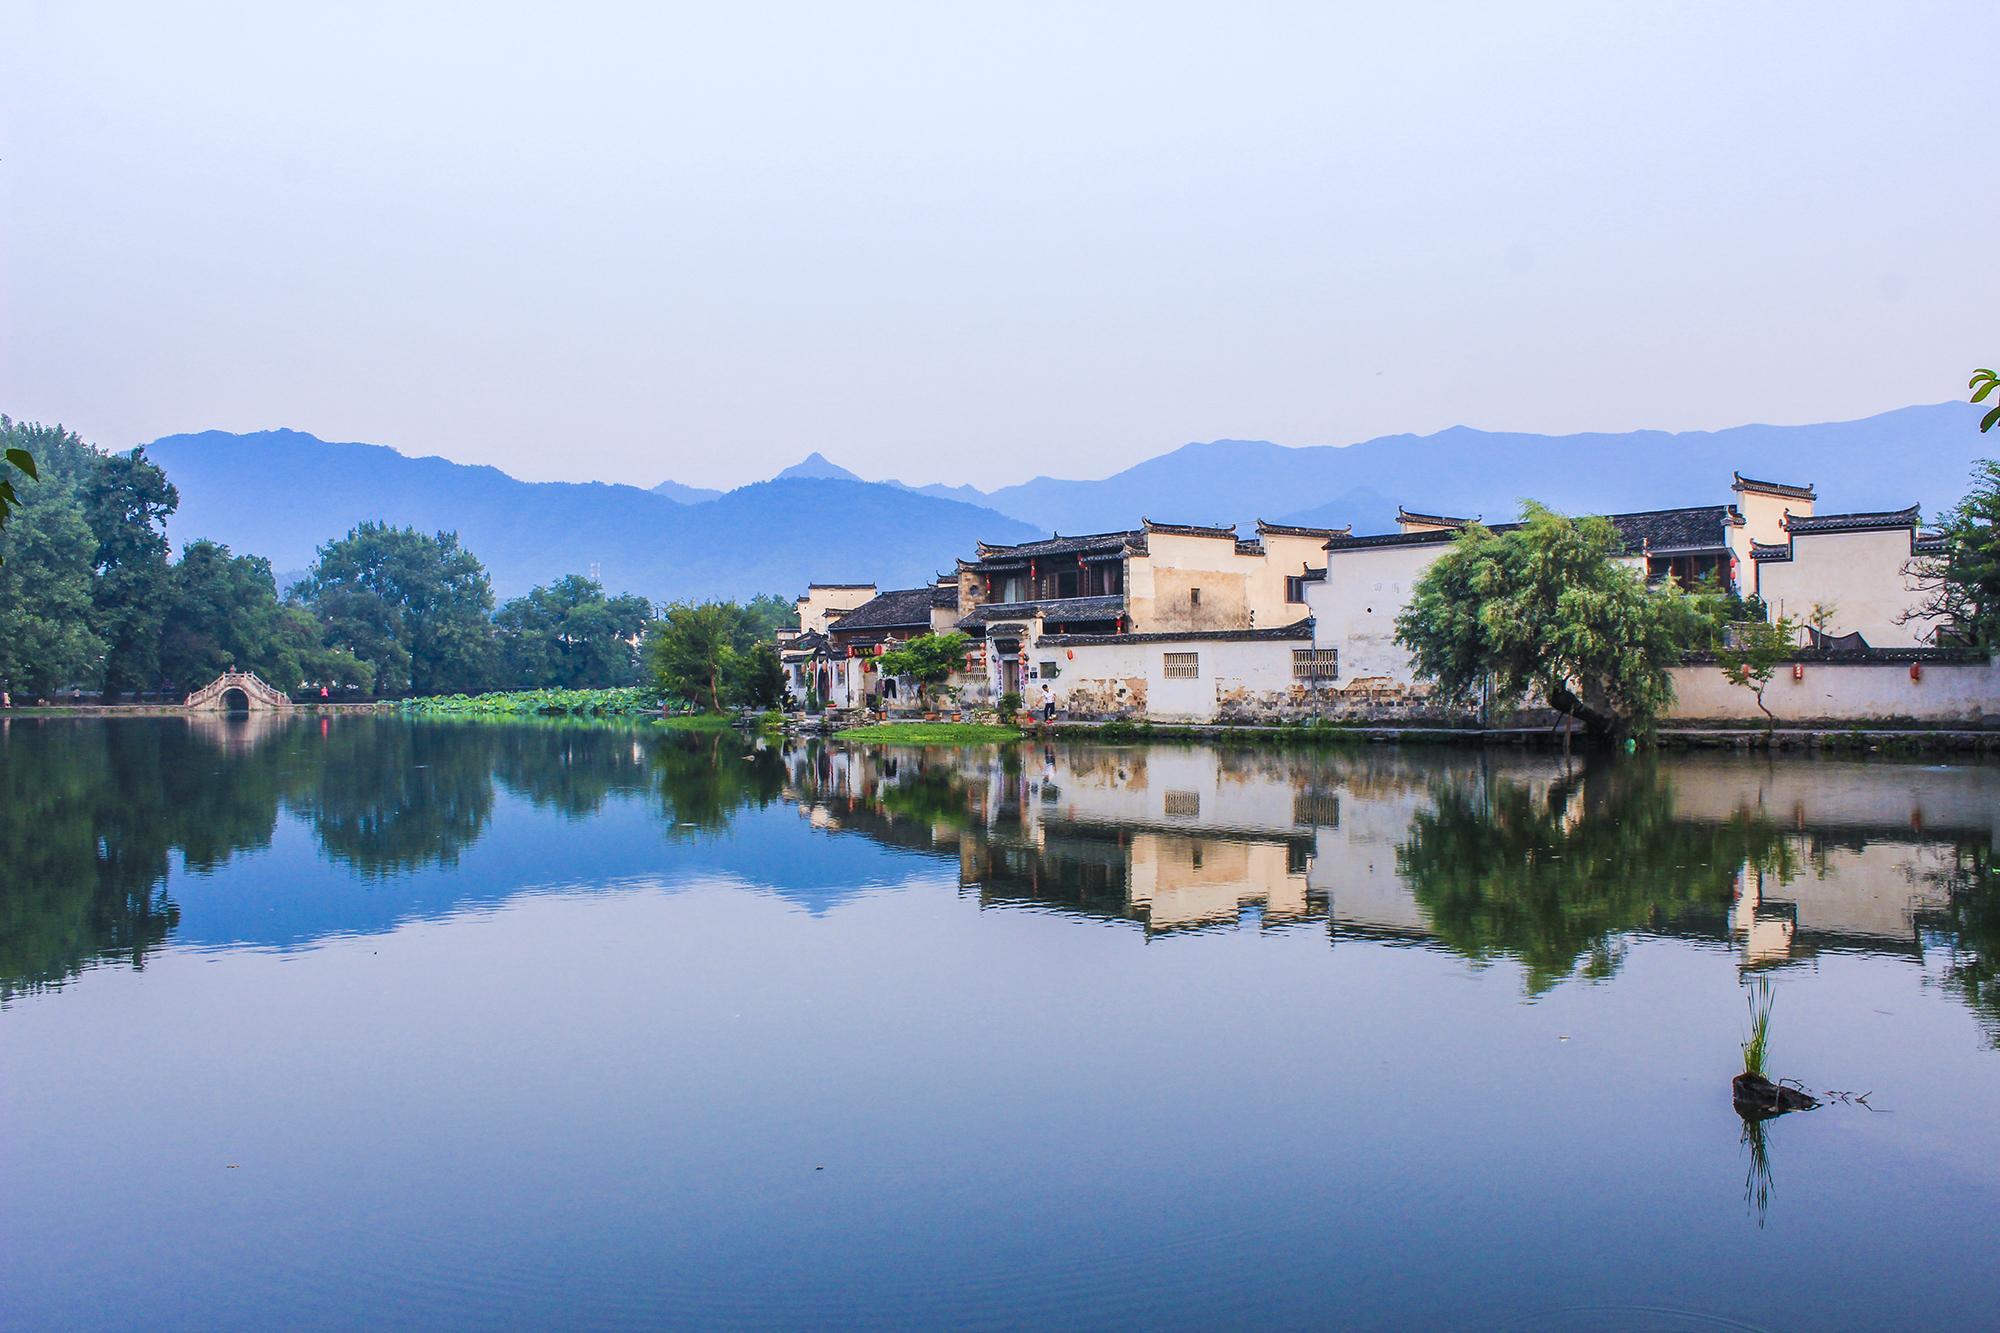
(1963, 694)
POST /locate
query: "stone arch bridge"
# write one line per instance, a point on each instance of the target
(238, 692)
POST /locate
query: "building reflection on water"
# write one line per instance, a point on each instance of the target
(1487, 853)
(111, 834)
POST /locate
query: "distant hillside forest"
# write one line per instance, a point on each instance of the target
(92, 600)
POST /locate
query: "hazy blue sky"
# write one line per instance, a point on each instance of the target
(980, 242)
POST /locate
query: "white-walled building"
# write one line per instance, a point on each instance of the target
(1857, 573)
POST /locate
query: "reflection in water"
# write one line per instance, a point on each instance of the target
(1489, 856)
(1555, 871)
(604, 1024)
(1960, 913)
(1759, 1183)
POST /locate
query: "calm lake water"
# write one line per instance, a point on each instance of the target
(357, 1022)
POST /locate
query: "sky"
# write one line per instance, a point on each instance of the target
(631, 242)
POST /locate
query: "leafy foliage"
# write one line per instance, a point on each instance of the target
(1751, 653)
(928, 659)
(415, 607)
(1961, 585)
(1757, 1046)
(1546, 610)
(1982, 383)
(714, 654)
(570, 635)
(627, 702)
(224, 614)
(21, 461)
(1551, 877)
(47, 570)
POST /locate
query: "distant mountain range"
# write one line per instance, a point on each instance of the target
(282, 493)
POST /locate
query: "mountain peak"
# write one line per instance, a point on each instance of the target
(816, 466)
(687, 495)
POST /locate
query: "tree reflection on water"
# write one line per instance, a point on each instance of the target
(1489, 857)
(1557, 876)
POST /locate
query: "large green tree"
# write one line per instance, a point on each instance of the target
(692, 651)
(47, 558)
(570, 635)
(766, 614)
(224, 613)
(127, 500)
(1961, 584)
(1546, 610)
(417, 608)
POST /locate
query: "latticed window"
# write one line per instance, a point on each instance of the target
(1315, 664)
(1321, 809)
(1183, 666)
(1184, 804)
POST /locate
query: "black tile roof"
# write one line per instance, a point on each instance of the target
(1437, 520)
(804, 645)
(902, 608)
(1788, 491)
(1861, 522)
(1293, 530)
(1703, 528)
(1191, 529)
(1060, 610)
(1090, 543)
(1699, 528)
(1432, 537)
(838, 587)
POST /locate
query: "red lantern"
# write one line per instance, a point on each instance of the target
(1798, 671)
(1916, 671)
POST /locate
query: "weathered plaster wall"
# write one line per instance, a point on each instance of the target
(1963, 694)
(1863, 575)
(1129, 680)
(1355, 608)
(1158, 591)
(814, 607)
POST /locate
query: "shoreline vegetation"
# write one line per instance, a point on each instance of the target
(619, 702)
(643, 705)
(931, 733)
(638, 704)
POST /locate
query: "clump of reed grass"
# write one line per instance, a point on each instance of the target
(1757, 1049)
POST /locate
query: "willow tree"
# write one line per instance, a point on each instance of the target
(1546, 611)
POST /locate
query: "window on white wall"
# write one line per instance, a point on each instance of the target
(1183, 666)
(1315, 665)
(1194, 596)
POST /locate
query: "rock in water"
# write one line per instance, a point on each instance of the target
(1757, 1098)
